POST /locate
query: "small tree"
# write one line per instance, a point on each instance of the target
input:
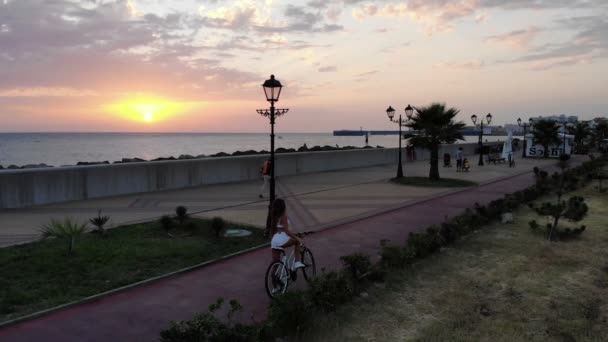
(99, 221)
(574, 210)
(181, 213)
(68, 230)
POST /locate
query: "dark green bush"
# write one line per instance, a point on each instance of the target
(207, 327)
(181, 213)
(392, 256)
(99, 222)
(424, 244)
(291, 313)
(329, 290)
(357, 264)
(534, 226)
(449, 231)
(166, 223)
(217, 225)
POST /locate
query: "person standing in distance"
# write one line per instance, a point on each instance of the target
(266, 176)
(459, 156)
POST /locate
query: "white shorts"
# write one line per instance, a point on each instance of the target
(278, 240)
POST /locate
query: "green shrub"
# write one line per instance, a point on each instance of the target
(534, 226)
(181, 213)
(424, 244)
(329, 290)
(68, 230)
(99, 221)
(358, 266)
(166, 223)
(449, 231)
(290, 314)
(207, 327)
(392, 256)
(217, 225)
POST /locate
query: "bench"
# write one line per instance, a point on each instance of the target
(496, 158)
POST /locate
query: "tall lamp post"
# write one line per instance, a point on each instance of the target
(489, 120)
(391, 114)
(272, 90)
(525, 126)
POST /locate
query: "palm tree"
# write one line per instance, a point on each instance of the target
(546, 133)
(581, 132)
(435, 126)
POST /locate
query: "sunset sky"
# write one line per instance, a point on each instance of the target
(197, 65)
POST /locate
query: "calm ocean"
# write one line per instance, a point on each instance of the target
(69, 148)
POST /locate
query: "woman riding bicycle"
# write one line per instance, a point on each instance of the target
(282, 236)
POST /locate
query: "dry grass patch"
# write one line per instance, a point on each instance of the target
(501, 284)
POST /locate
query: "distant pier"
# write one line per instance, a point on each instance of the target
(361, 133)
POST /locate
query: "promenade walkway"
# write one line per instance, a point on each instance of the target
(139, 314)
(315, 199)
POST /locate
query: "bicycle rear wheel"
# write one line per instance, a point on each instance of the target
(311, 267)
(277, 279)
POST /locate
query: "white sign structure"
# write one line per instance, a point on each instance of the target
(535, 150)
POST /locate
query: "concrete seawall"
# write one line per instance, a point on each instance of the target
(23, 188)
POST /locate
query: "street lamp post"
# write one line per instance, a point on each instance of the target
(391, 114)
(489, 120)
(525, 126)
(272, 90)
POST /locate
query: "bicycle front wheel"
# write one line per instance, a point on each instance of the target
(311, 267)
(277, 279)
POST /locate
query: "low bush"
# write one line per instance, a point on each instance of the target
(329, 290)
(217, 225)
(393, 256)
(426, 243)
(290, 314)
(99, 222)
(166, 223)
(181, 213)
(207, 327)
(358, 266)
(67, 230)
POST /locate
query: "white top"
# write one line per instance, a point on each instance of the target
(279, 225)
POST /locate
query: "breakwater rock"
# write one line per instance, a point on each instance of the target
(279, 150)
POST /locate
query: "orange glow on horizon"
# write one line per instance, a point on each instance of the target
(150, 110)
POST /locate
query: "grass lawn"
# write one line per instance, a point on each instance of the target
(41, 275)
(426, 182)
(501, 284)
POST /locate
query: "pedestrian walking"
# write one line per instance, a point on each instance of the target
(266, 176)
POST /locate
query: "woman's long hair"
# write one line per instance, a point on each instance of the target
(278, 210)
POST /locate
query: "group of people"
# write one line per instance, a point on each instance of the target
(462, 164)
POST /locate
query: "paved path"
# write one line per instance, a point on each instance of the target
(139, 314)
(313, 199)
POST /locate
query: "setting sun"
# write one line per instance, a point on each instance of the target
(149, 110)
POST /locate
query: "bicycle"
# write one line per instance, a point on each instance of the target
(280, 273)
